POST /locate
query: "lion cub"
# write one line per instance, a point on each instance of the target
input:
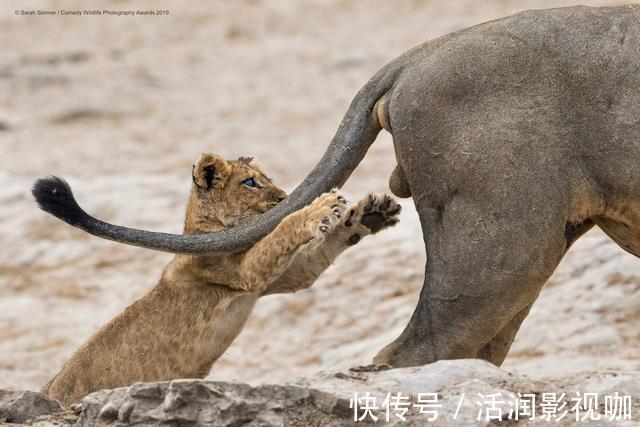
(201, 303)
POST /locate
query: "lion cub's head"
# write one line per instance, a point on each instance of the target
(225, 193)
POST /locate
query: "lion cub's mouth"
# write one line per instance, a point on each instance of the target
(262, 208)
(257, 210)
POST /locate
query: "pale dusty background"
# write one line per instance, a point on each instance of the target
(121, 106)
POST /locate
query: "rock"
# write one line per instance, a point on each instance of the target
(213, 403)
(22, 406)
(446, 393)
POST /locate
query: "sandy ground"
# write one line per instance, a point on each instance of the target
(121, 106)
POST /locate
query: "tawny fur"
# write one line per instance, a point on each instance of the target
(182, 326)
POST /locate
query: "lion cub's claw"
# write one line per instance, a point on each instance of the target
(325, 212)
(326, 224)
(375, 212)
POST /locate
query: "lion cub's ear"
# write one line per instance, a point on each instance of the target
(211, 171)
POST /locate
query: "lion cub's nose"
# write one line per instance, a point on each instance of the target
(281, 198)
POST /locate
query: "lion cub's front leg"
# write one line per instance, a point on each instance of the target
(370, 215)
(373, 213)
(272, 255)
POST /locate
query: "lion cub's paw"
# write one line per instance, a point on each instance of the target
(325, 213)
(375, 212)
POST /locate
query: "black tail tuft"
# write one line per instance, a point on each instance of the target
(54, 196)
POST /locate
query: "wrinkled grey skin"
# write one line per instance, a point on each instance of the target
(514, 137)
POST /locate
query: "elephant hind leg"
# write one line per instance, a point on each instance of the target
(495, 351)
(460, 328)
(483, 272)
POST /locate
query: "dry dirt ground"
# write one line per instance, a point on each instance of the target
(121, 106)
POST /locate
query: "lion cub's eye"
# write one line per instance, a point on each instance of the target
(250, 182)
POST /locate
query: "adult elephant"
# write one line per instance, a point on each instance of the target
(514, 137)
